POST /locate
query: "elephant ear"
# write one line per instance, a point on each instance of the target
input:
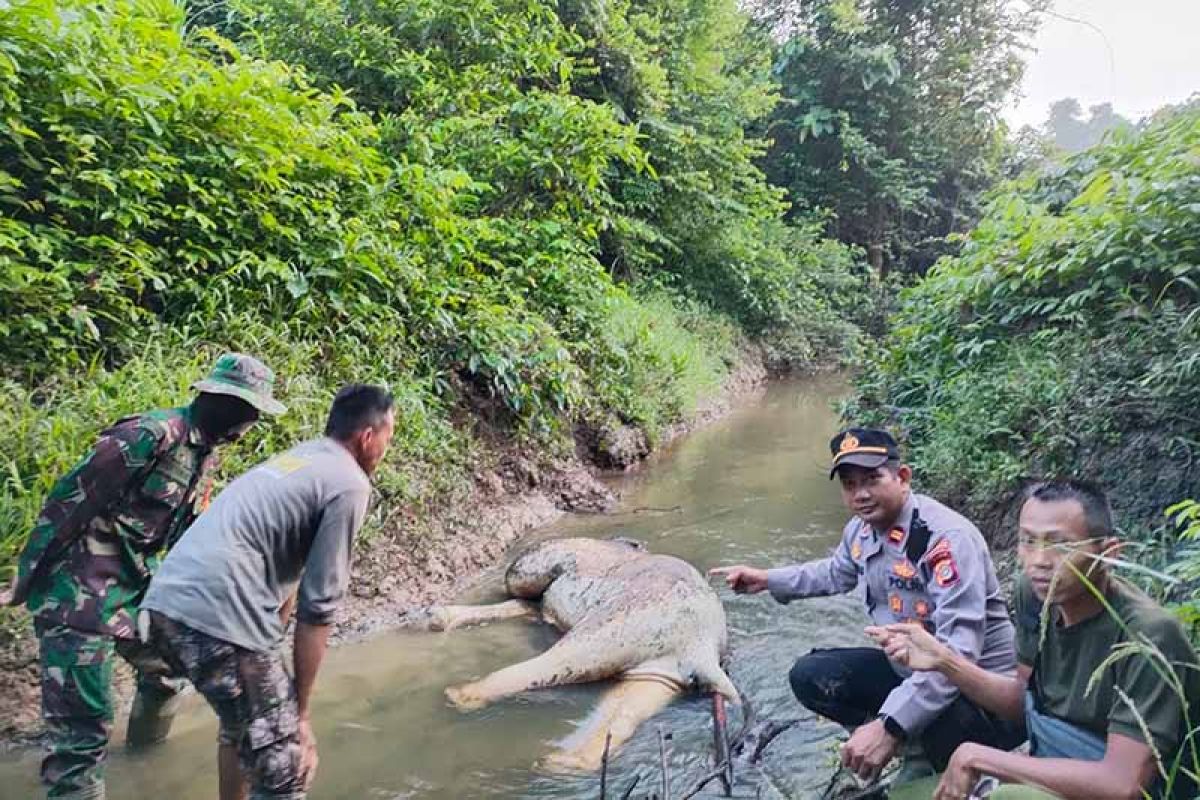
(628, 542)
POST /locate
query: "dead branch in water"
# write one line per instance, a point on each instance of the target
(662, 759)
(629, 792)
(604, 767)
(721, 742)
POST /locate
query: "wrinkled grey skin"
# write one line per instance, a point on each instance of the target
(649, 621)
(628, 611)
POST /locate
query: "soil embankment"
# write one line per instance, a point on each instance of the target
(418, 561)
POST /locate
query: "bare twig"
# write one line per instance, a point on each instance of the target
(629, 792)
(604, 767)
(721, 742)
(662, 760)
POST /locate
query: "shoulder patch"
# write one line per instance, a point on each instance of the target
(939, 552)
(945, 573)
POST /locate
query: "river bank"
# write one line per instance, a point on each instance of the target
(419, 560)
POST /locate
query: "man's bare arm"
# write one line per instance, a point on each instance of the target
(311, 643)
(914, 647)
(1127, 767)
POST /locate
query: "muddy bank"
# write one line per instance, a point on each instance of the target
(419, 560)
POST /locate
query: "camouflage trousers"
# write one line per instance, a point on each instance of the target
(77, 704)
(255, 702)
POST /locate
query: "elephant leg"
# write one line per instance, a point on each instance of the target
(568, 661)
(447, 618)
(622, 709)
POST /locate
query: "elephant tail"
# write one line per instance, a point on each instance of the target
(710, 677)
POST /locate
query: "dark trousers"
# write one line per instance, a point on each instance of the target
(849, 685)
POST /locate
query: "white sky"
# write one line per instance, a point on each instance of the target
(1154, 58)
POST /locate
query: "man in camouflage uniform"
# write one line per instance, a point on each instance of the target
(93, 549)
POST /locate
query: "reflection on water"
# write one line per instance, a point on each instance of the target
(752, 489)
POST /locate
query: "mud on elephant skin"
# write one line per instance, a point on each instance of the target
(650, 622)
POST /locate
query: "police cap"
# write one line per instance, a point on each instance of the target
(862, 447)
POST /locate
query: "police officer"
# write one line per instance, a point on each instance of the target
(918, 561)
(90, 555)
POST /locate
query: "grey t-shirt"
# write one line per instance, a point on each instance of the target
(237, 564)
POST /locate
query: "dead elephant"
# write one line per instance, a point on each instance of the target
(649, 621)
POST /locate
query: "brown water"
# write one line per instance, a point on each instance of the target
(751, 489)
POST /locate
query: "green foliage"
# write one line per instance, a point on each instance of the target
(1185, 564)
(1066, 336)
(44, 428)
(890, 118)
(144, 180)
(665, 355)
(426, 194)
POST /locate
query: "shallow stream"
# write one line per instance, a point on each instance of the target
(752, 488)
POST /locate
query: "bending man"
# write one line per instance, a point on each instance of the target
(918, 561)
(214, 607)
(91, 553)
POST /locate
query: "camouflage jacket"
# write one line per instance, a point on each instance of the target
(99, 535)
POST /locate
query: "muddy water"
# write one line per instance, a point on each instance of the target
(752, 488)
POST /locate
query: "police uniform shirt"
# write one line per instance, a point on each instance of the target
(949, 585)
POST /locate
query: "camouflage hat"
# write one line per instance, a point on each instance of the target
(243, 376)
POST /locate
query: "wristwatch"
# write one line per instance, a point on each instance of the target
(891, 726)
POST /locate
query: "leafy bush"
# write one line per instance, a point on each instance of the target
(1066, 336)
(45, 428)
(169, 193)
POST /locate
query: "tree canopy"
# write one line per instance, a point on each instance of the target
(889, 120)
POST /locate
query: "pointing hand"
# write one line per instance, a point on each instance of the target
(910, 645)
(742, 579)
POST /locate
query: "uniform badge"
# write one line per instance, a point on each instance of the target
(896, 535)
(922, 609)
(904, 569)
(896, 604)
(939, 552)
(849, 442)
(856, 550)
(945, 573)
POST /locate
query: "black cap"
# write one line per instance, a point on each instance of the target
(862, 447)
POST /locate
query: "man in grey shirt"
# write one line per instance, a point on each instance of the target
(217, 607)
(917, 561)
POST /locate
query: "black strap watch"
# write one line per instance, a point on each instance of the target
(891, 726)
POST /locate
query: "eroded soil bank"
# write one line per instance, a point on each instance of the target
(417, 561)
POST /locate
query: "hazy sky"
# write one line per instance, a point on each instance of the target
(1154, 57)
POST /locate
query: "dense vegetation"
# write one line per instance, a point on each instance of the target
(890, 116)
(525, 214)
(1065, 339)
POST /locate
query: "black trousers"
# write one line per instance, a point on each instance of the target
(849, 685)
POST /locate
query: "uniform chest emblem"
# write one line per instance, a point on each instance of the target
(904, 569)
(922, 609)
(896, 604)
(945, 573)
(896, 535)
(856, 550)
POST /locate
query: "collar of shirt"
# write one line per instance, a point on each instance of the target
(195, 437)
(902, 523)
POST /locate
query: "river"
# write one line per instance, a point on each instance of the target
(752, 488)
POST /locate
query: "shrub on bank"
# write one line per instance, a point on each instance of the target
(1066, 336)
(166, 196)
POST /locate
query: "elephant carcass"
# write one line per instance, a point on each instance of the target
(651, 622)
